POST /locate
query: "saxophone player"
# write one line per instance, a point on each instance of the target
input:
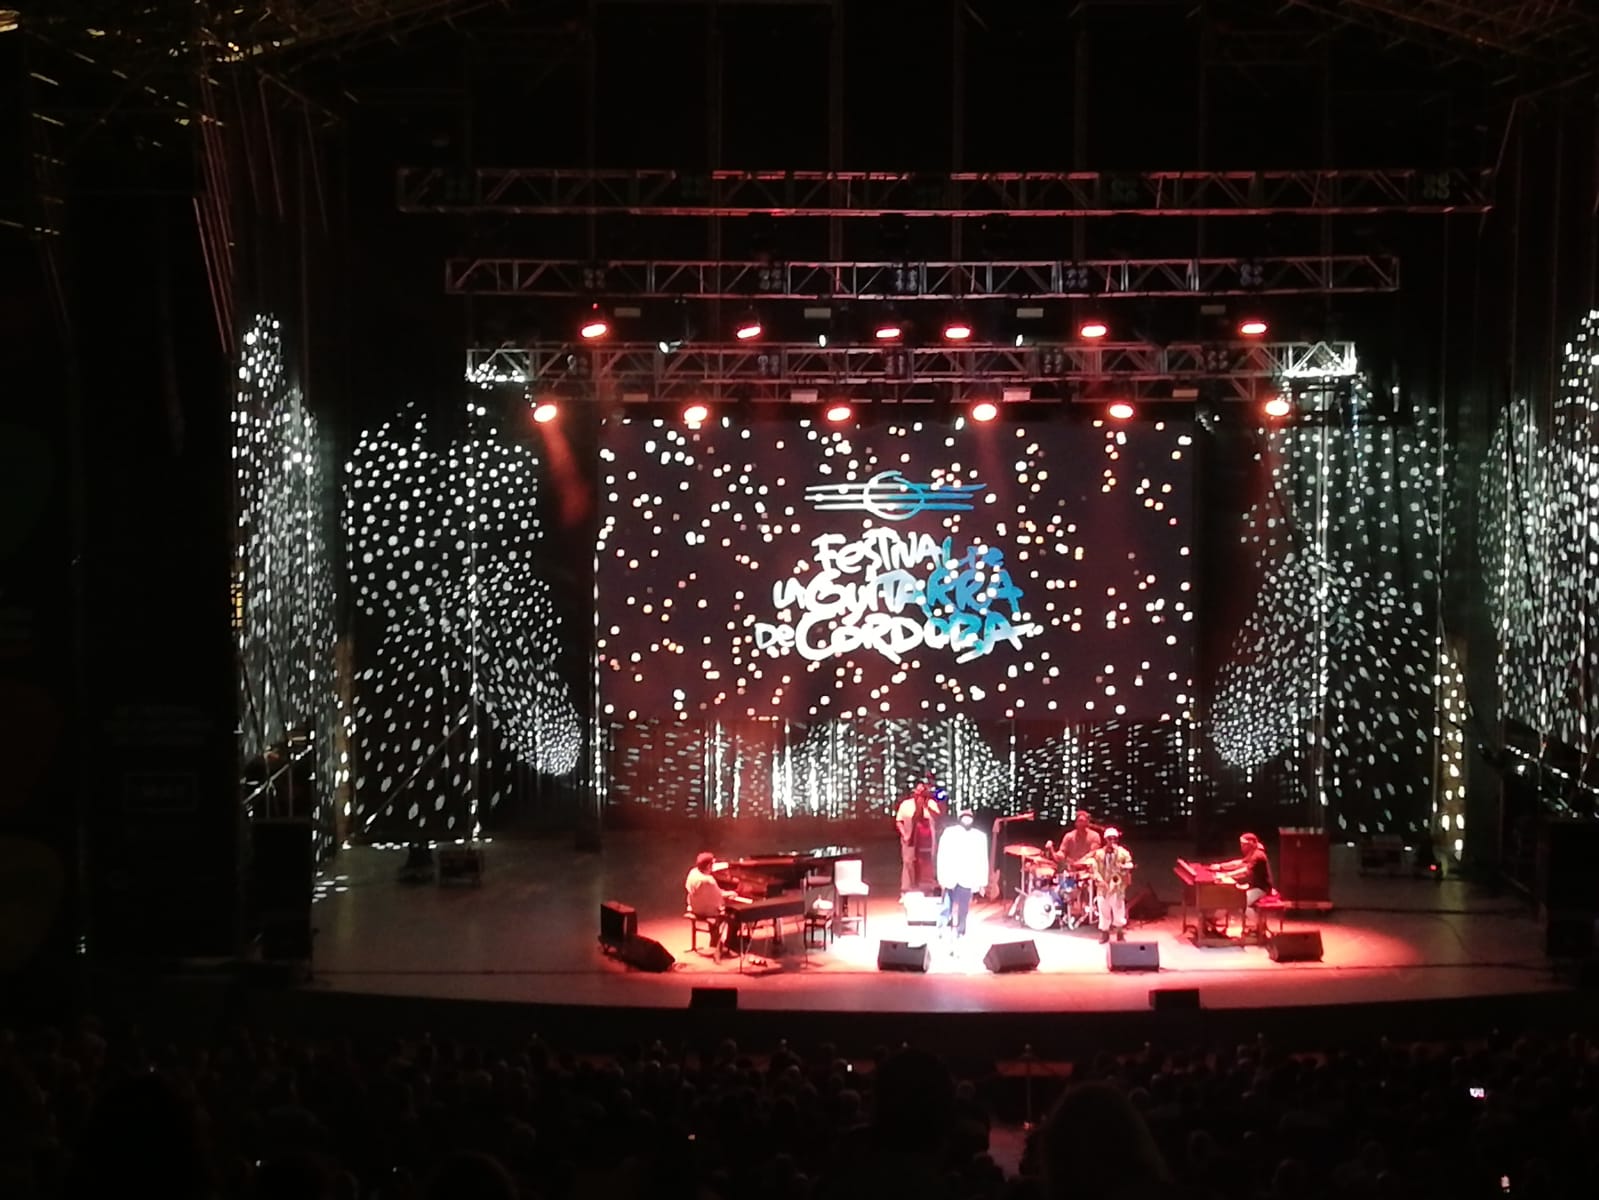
(1113, 868)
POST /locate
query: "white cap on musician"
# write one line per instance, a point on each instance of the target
(1113, 834)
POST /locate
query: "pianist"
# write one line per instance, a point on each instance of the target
(707, 900)
(1251, 870)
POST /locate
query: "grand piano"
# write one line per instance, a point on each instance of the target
(1206, 892)
(773, 887)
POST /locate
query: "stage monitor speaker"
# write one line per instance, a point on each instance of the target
(1174, 999)
(720, 998)
(646, 954)
(1133, 956)
(1301, 945)
(902, 956)
(618, 922)
(1012, 956)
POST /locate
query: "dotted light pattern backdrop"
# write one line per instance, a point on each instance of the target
(1327, 703)
(283, 572)
(458, 640)
(1132, 772)
(1539, 548)
(1018, 571)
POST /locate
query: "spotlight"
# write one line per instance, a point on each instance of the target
(1093, 329)
(1253, 327)
(1278, 407)
(595, 324)
(748, 328)
(957, 331)
(839, 413)
(985, 410)
(696, 414)
(545, 411)
(886, 332)
(1120, 410)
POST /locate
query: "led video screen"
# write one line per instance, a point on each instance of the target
(790, 569)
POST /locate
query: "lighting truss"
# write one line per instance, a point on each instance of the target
(807, 372)
(1320, 275)
(660, 193)
(1539, 30)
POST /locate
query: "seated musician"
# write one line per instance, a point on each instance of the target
(1076, 853)
(707, 900)
(1251, 870)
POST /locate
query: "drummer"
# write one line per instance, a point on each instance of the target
(1076, 850)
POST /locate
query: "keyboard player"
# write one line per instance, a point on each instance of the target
(707, 900)
(1251, 870)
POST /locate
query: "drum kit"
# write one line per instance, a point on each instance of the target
(1052, 894)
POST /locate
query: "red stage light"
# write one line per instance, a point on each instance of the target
(1278, 407)
(957, 331)
(1093, 329)
(1253, 327)
(545, 411)
(985, 410)
(887, 333)
(748, 328)
(594, 325)
(839, 413)
(1120, 410)
(696, 414)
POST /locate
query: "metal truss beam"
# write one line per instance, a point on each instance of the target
(648, 193)
(707, 280)
(805, 371)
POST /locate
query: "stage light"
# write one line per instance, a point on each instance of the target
(1278, 407)
(748, 328)
(1252, 327)
(887, 333)
(1093, 329)
(545, 411)
(985, 410)
(839, 413)
(10, 19)
(1120, 410)
(957, 331)
(696, 414)
(595, 324)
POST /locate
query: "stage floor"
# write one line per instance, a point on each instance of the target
(528, 934)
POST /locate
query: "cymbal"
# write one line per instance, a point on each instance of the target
(1021, 851)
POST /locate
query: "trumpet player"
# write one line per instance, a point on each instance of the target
(1113, 868)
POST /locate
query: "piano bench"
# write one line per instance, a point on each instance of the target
(1263, 910)
(698, 925)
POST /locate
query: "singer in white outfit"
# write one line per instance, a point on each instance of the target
(1113, 871)
(962, 869)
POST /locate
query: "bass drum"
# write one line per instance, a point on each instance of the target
(1040, 911)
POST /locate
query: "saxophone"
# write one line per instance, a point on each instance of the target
(1115, 875)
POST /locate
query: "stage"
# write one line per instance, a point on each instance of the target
(528, 935)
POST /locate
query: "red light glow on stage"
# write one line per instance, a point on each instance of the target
(546, 411)
(594, 325)
(696, 414)
(985, 410)
(1278, 407)
(1253, 327)
(887, 333)
(748, 329)
(839, 413)
(1092, 330)
(957, 331)
(1120, 410)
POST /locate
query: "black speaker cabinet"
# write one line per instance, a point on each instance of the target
(1174, 999)
(1012, 956)
(1303, 866)
(1300, 945)
(902, 956)
(1133, 956)
(1566, 879)
(283, 865)
(719, 998)
(646, 954)
(618, 922)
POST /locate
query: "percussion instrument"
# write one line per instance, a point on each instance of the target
(1019, 850)
(1040, 910)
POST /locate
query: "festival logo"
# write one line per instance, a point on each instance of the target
(889, 496)
(891, 593)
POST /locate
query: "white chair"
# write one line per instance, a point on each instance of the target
(847, 886)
